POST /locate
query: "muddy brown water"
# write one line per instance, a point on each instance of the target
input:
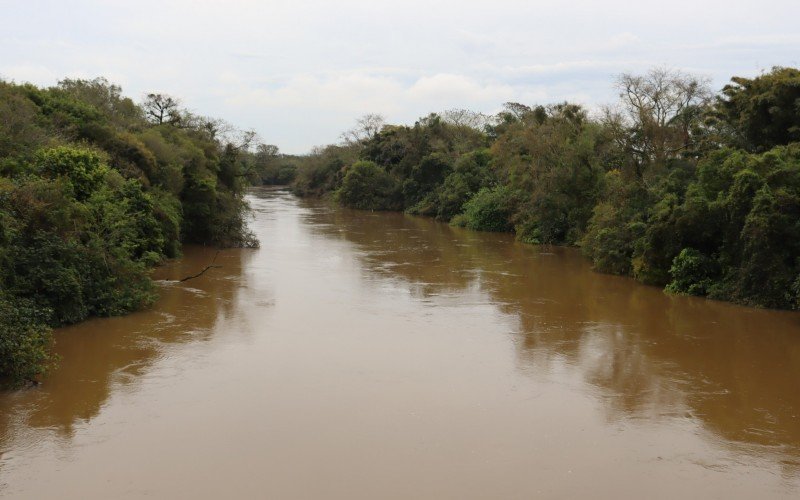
(378, 355)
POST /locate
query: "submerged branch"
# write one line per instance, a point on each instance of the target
(210, 266)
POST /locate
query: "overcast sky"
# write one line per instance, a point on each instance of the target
(300, 72)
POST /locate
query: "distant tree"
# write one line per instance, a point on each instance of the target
(365, 129)
(514, 113)
(216, 129)
(267, 150)
(465, 118)
(516, 110)
(161, 108)
(265, 163)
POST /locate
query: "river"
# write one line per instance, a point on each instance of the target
(379, 355)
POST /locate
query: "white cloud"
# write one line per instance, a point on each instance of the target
(300, 72)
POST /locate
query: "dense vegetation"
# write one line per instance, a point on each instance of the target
(675, 186)
(94, 191)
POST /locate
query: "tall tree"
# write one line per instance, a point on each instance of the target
(656, 114)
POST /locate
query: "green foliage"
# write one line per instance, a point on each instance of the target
(425, 177)
(24, 339)
(83, 168)
(470, 173)
(367, 186)
(272, 168)
(692, 273)
(617, 223)
(609, 243)
(558, 159)
(285, 175)
(91, 197)
(740, 213)
(763, 112)
(323, 171)
(168, 211)
(489, 210)
(19, 130)
(126, 152)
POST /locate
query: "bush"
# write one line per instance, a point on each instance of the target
(609, 242)
(617, 224)
(471, 172)
(83, 168)
(692, 273)
(489, 210)
(24, 339)
(366, 186)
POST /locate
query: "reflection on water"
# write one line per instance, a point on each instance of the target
(107, 353)
(363, 355)
(735, 369)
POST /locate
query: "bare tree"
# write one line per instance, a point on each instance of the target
(656, 114)
(161, 108)
(466, 118)
(366, 128)
(215, 127)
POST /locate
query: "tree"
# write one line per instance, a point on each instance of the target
(656, 115)
(365, 129)
(106, 97)
(367, 186)
(214, 128)
(465, 118)
(490, 209)
(161, 108)
(267, 150)
(265, 163)
(762, 112)
(515, 111)
(18, 127)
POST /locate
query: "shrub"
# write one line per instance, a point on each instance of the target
(489, 210)
(83, 168)
(24, 339)
(692, 273)
(367, 186)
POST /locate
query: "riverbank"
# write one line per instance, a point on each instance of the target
(94, 192)
(700, 200)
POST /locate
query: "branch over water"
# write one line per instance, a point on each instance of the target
(210, 266)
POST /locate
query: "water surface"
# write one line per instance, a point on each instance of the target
(378, 355)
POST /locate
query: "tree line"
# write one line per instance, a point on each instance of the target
(94, 191)
(674, 185)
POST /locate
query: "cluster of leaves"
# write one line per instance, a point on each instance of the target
(672, 186)
(92, 195)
